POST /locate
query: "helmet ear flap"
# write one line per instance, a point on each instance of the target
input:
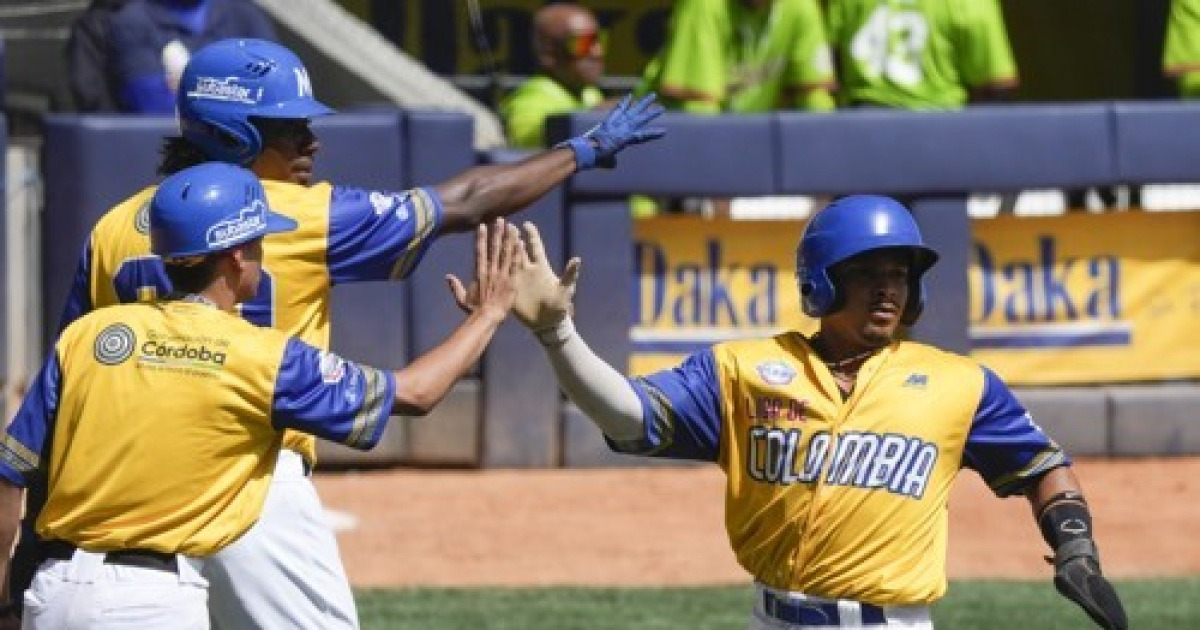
(235, 140)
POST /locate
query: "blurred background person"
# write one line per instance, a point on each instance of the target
(127, 55)
(569, 47)
(1181, 52)
(744, 56)
(920, 54)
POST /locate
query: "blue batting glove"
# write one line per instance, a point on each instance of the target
(623, 126)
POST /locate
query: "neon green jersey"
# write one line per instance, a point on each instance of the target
(722, 56)
(525, 110)
(1181, 54)
(919, 54)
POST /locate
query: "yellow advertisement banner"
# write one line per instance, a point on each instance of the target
(702, 281)
(1080, 298)
(1086, 298)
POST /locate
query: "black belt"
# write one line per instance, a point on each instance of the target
(141, 558)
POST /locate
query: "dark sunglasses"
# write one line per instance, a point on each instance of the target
(579, 45)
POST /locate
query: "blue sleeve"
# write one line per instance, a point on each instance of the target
(379, 235)
(681, 411)
(320, 393)
(28, 435)
(79, 299)
(1005, 445)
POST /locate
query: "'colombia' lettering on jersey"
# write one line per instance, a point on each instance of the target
(343, 235)
(156, 426)
(827, 496)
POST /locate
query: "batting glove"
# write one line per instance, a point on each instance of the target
(624, 125)
(1077, 577)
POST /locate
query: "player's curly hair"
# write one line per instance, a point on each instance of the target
(179, 153)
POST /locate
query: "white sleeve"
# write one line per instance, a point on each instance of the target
(603, 393)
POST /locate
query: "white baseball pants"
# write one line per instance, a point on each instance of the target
(85, 593)
(285, 571)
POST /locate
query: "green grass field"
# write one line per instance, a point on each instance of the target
(1151, 604)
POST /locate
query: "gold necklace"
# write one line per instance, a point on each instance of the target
(839, 365)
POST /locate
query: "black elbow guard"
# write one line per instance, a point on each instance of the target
(1064, 520)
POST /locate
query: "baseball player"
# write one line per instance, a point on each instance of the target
(920, 54)
(249, 102)
(156, 426)
(840, 448)
(1181, 53)
(744, 56)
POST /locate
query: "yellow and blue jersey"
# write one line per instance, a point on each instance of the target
(842, 498)
(343, 235)
(157, 425)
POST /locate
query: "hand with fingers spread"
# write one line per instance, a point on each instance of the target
(624, 125)
(498, 255)
(543, 298)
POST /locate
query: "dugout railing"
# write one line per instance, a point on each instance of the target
(510, 413)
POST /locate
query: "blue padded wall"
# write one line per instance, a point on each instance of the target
(364, 150)
(438, 146)
(521, 404)
(89, 164)
(4, 341)
(979, 149)
(700, 155)
(1157, 142)
(946, 227)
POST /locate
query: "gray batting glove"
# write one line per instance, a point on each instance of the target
(543, 298)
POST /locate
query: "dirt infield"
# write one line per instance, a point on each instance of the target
(664, 526)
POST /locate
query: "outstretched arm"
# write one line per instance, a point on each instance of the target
(424, 382)
(483, 193)
(544, 306)
(1066, 524)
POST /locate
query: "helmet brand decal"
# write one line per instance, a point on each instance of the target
(248, 222)
(776, 372)
(226, 89)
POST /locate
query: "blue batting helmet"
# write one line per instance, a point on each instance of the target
(210, 208)
(851, 226)
(227, 83)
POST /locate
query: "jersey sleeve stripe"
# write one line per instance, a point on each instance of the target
(371, 413)
(1044, 461)
(660, 423)
(424, 210)
(18, 456)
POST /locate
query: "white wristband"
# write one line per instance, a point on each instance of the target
(556, 335)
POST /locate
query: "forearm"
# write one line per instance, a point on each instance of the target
(495, 190)
(12, 500)
(601, 392)
(1059, 507)
(424, 382)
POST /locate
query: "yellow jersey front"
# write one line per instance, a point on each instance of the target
(343, 235)
(157, 425)
(841, 497)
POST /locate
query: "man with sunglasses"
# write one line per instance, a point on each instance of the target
(570, 51)
(249, 102)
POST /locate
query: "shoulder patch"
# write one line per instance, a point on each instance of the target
(114, 344)
(332, 368)
(141, 220)
(776, 372)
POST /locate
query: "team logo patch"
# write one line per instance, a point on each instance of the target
(332, 368)
(776, 372)
(226, 89)
(916, 381)
(141, 220)
(114, 344)
(383, 203)
(248, 222)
